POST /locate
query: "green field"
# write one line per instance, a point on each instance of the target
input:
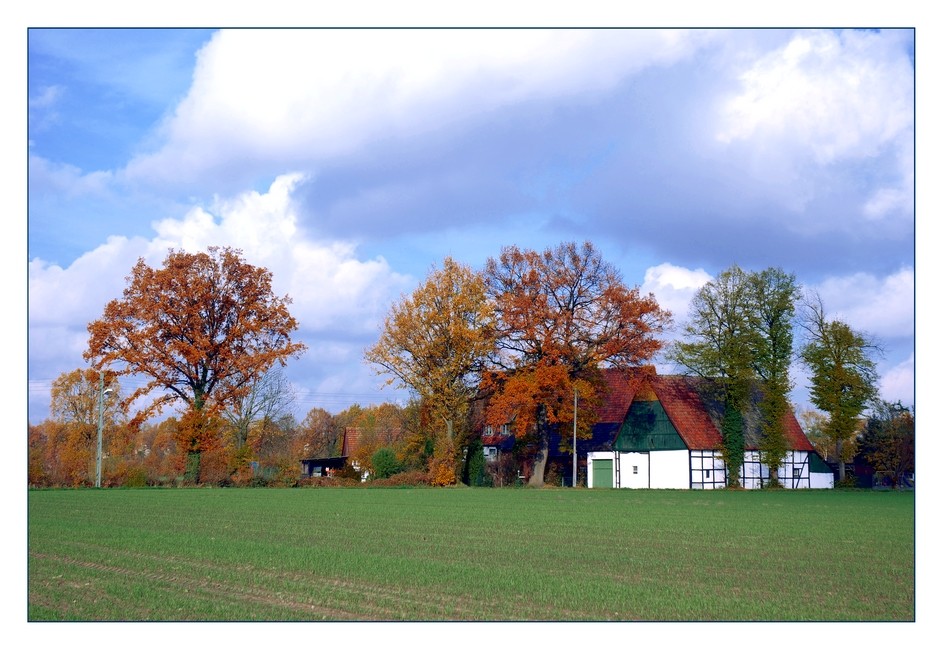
(469, 554)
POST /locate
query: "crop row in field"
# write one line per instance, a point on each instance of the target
(469, 554)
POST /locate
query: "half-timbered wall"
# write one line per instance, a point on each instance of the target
(708, 471)
(793, 471)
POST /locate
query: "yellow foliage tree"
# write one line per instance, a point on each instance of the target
(74, 404)
(435, 341)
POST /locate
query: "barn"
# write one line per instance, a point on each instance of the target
(666, 434)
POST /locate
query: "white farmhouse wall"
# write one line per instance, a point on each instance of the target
(681, 469)
(634, 470)
(822, 480)
(794, 472)
(657, 469)
(669, 469)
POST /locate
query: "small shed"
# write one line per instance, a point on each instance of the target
(314, 467)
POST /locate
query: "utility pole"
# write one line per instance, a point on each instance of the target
(101, 425)
(574, 436)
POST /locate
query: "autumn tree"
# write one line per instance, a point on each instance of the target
(269, 398)
(203, 328)
(888, 440)
(379, 426)
(434, 342)
(157, 446)
(562, 315)
(318, 435)
(843, 372)
(46, 466)
(274, 443)
(75, 398)
(814, 424)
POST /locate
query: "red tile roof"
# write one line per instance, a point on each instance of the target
(685, 400)
(351, 441)
(798, 441)
(687, 412)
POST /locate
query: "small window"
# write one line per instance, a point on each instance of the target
(707, 474)
(796, 472)
(635, 469)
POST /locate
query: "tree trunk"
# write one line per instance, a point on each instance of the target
(841, 461)
(540, 460)
(540, 465)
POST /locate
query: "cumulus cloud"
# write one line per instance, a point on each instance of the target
(836, 95)
(825, 98)
(674, 286)
(897, 383)
(880, 306)
(47, 177)
(278, 95)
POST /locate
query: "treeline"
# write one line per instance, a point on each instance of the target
(524, 339)
(268, 452)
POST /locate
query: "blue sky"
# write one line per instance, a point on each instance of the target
(350, 161)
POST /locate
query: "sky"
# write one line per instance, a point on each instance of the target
(349, 162)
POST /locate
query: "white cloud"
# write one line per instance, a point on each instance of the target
(261, 95)
(824, 99)
(330, 287)
(75, 295)
(259, 224)
(674, 286)
(883, 307)
(895, 199)
(897, 383)
(835, 95)
(46, 177)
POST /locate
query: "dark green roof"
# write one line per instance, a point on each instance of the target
(817, 465)
(647, 428)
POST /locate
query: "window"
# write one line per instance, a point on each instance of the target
(796, 472)
(635, 469)
(707, 474)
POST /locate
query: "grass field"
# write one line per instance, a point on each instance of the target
(469, 554)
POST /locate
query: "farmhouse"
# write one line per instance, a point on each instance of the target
(663, 431)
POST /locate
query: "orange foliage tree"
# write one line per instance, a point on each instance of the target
(380, 426)
(202, 328)
(318, 436)
(562, 315)
(157, 446)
